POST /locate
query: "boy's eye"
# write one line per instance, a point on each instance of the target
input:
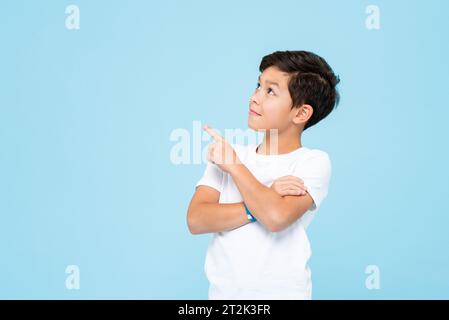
(270, 91)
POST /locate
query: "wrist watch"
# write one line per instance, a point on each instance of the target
(248, 214)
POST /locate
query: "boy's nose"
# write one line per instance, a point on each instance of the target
(254, 99)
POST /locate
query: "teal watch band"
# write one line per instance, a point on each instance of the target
(248, 214)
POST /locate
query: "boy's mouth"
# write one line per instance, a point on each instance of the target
(254, 113)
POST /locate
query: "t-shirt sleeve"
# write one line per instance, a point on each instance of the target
(315, 171)
(212, 177)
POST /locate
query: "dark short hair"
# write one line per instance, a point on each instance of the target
(312, 81)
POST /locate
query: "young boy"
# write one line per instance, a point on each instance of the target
(258, 200)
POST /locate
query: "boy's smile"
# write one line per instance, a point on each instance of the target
(253, 113)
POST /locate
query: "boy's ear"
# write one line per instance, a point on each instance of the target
(303, 114)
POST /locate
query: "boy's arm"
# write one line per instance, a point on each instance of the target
(270, 208)
(274, 211)
(206, 215)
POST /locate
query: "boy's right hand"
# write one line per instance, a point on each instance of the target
(289, 186)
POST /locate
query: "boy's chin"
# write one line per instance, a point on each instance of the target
(252, 126)
(256, 128)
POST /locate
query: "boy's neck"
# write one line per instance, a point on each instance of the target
(281, 143)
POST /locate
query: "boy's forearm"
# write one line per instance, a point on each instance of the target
(216, 217)
(264, 203)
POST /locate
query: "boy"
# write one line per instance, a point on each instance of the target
(259, 199)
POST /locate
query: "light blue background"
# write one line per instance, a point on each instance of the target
(86, 115)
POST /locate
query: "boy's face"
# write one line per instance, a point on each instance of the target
(270, 106)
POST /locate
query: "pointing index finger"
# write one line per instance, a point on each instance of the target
(213, 133)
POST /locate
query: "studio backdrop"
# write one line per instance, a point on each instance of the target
(101, 109)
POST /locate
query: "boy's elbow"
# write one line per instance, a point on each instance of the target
(191, 228)
(276, 222)
(275, 227)
(192, 223)
(279, 221)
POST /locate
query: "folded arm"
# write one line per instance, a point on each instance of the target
(206, 215)
(274, 211)
(276, 207)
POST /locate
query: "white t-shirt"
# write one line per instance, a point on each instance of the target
(251, 262)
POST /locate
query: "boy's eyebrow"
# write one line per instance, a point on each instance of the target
(271, 82)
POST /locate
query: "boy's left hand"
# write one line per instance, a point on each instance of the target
(220, 152)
